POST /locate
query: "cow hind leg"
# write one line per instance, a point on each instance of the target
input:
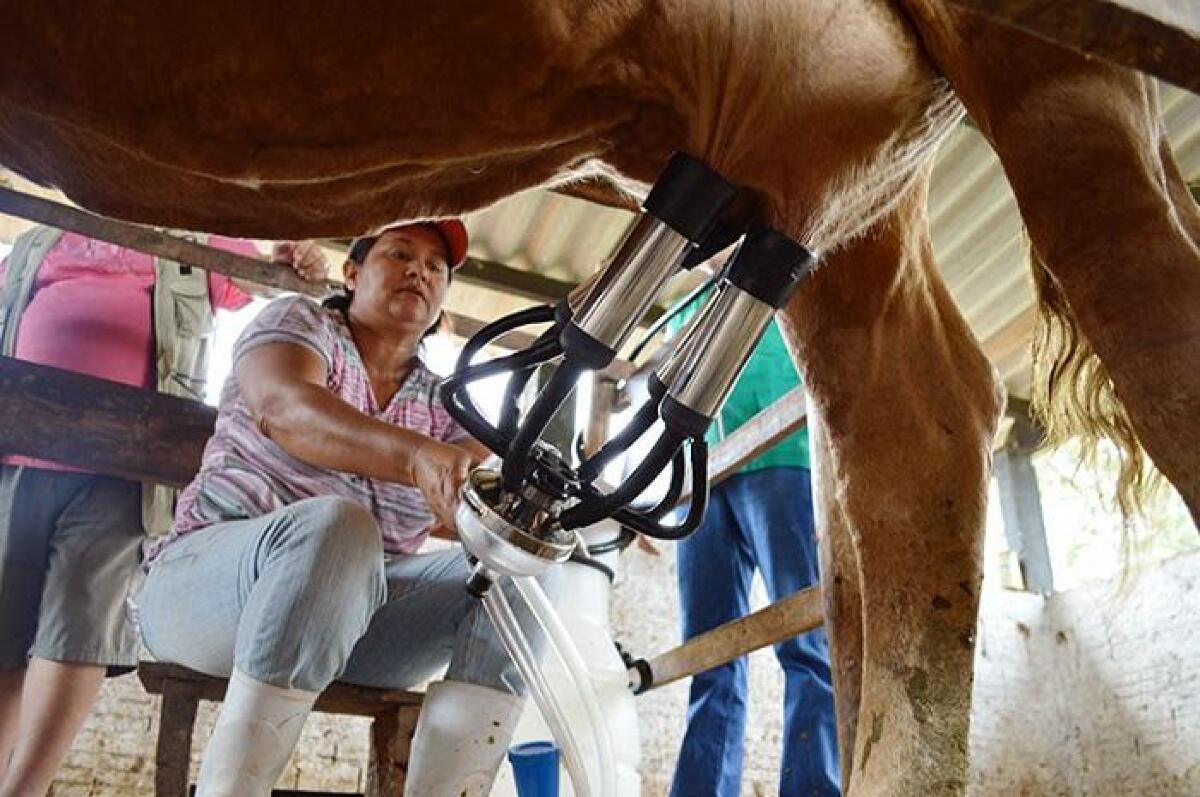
(1114, 234)
(1103, 370)
(906, 406)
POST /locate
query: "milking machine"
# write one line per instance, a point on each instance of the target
(523, 516)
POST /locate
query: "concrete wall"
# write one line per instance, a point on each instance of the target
(1092, 693)
(1089, 694)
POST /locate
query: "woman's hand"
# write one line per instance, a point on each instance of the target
(439, 471)
(305, 257)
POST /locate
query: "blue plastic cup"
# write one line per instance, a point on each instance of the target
(535, 768)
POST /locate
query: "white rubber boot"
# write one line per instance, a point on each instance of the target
(256, 729)
(461, 738)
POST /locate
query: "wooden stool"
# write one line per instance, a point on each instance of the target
(393, 713)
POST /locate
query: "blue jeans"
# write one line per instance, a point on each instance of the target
(764, 520)
(303, 596)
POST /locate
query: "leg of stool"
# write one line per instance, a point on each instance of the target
(406, 717)
(381, 768)
(391, 738)
(175, 723)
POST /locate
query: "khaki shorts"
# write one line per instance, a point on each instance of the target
(71, 550)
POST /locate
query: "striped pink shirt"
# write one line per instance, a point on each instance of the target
(244, 474)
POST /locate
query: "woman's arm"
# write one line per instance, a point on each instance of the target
(284, 387)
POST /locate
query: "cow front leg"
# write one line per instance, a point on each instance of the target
(841, 593)
(907, 407)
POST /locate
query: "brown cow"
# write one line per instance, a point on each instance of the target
(300, 119)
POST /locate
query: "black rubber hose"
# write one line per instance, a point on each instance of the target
(674, 490)
(696, 509)
(516, 460)
(533, 315)
(509, 408)
(471, 419)
(618, 543)
(585, 559)
(510, 411)
(593, 509)
(642, 420)
(457, 398)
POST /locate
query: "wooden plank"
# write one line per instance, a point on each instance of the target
(99, 425)
(770, 625)
(1158, 37)
(159, 244)
(337, 698)
(513, 281)
(756, 437)
(465, 327)
(209, 258)
(495, 275)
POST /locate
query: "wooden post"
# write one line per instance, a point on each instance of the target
(406, 727)
(1021, 500)
(391, 739)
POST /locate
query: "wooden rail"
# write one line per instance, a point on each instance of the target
(260, 272)
(770, 625)
(787, 414)
(160, 244)
(99, 425)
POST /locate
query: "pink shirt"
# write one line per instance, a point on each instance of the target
(245, 474)
(91, 312)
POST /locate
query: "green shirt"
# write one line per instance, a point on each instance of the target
(768, 375)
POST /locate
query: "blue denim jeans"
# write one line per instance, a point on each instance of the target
(303, 596)
(764, 520)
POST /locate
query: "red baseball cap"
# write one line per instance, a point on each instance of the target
(454, 234)
(452, 231)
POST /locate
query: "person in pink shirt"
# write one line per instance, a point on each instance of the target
(70, 541)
